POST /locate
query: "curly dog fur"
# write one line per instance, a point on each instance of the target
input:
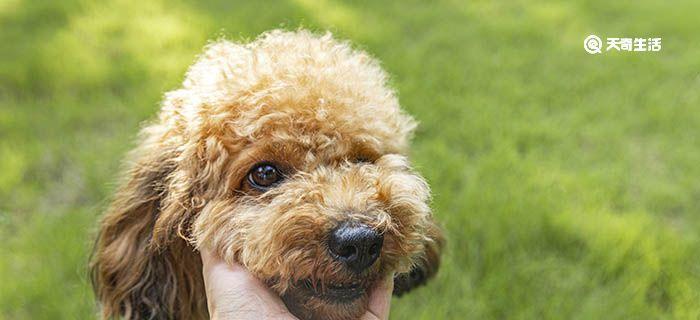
(323, 114)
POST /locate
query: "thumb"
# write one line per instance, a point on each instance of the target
(380, 300)
(234, 293)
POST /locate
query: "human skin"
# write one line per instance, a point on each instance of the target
(233, 293)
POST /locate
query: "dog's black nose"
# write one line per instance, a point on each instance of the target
(356, 245)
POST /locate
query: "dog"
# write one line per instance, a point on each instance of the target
(286, 155)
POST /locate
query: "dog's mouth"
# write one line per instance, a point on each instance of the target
(335, 292)
(311, 299)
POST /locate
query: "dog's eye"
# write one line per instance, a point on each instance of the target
(264, 175)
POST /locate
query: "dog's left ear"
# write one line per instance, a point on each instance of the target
(427, 265)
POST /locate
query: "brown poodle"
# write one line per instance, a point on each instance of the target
(286, 155)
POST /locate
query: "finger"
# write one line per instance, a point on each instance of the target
(213, 265)
(207, 256)
(233, 291)
(225, 277)
(380, 301)
(210, 261)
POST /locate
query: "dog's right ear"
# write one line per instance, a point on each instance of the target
(136, 275)
(143, 266)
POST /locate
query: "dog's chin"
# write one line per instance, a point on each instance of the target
(327, 299)
(335, 292)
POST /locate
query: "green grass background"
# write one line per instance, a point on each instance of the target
(568, 184)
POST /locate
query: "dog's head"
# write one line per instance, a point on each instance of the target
(287, 155)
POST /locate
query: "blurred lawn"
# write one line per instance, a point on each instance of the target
(569, 184)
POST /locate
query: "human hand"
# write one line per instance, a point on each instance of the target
(233, 293)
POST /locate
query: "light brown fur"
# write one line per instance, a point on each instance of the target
(309, 103)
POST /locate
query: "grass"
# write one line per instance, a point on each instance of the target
(569, 184)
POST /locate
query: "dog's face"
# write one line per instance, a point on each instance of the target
(320, 225)
(286, 155)
(315, 196)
